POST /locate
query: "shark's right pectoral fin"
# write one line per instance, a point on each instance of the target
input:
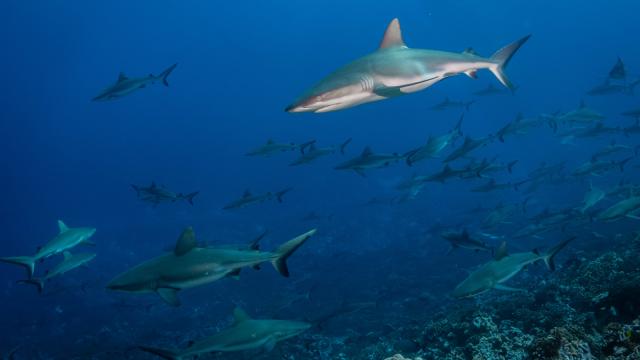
(163, 353)
(169, 295)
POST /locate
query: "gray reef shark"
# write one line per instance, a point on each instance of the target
(248, 198)
(314, 153)
(155, 194)
(395, 69)
(492, 90)
(465, 241)
(125, 86)
(435, 145)
(245, 334)
(519, 126)
(369, 160)
(66, 239)
(493, 274)
(190, 266)
(452, 104)
(591, 198)
(624, 208)
(271, 147)
(70, 262)
(468, 146)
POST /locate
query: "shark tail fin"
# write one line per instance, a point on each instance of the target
(39, 283)
(502, 58)
(285, 250)
(551, 253)
(163, 353)
(28, 262)
(280, 194)
(165, 74)
(343, 146)
(189, 197)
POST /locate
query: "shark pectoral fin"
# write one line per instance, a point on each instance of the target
(269, 345)
(360, 172)
(169, 295)
(634, 217)
(235, 274)
(507, 288)
(388, 92)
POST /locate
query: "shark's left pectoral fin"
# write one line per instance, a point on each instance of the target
(235, 274)
(169, 295)
(508, 288)
(269, 345)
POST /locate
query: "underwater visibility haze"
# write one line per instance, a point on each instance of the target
(320, 180)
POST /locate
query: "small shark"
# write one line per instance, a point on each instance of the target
(547, 170)
(452, 104)
(248, 199)
(315, 153)
(66, 239)
(612, 148)
(589, 132)
(368, 160)
(624, 208)
(492, 185)
(271, 147)
(70, 262)
(435, 145)
(445, 174)
(493, 274)
(490, 167)
(468, 146)
(519, 126)
(610, 88)
(599, 167)
(465, 241)
(157, 194)
(591, 198)
(245, 334)
(582, 115)
(190, 266)
(492, 90)
(125, 86)
(499, 215)
(394, 70)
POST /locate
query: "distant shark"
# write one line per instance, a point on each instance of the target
(394, 70)
(66, 239)
(125, 85)
(245, 334)
(157, 194)
(248, 198)
(189, 266)
(493, 274)
(70, 262)
(369, 160)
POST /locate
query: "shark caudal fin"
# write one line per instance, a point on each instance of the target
(280, 194)
(551, 253)
(165, 74)
(27, 261)
(163, 353)
(502, 58)
(285, 250)
(189, 197)
(39, 283)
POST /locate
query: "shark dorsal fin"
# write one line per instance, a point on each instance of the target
(393, 36)
(366, 152)
(63, 228)
(270, 141)
(246, 194)
(519, 117)
(470, 51)
(582, 104)
(66, 255)
(186, 242)
(240, 315)
(501, 251)
(153, 185)
(122, 77)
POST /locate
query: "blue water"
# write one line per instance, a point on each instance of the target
(239, 64)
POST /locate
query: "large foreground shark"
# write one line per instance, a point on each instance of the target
(190, 265)
(125, 85)
(395, 69)
(493, 274)
(65, 240)
(245, 334)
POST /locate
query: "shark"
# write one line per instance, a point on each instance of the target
(610, 88)
(492, 90)
(452, 104)
(582, 115)
(599, 167)
(157, 194)
(465, 241)
(435, 145)
(493, 274)
(271, 147)
(369, 160)
(612, 148)
(315, 153)
(394, 69)
(70, 262)
(125, 85)
(492, 166)
(519, 126)
(468, 146)
(598, 129)
(248, 198)
(245, 333)
(66, 239)
(624, 208)
(591, 198)
(189, 265)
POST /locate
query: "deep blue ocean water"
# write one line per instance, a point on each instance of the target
(239, 65)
